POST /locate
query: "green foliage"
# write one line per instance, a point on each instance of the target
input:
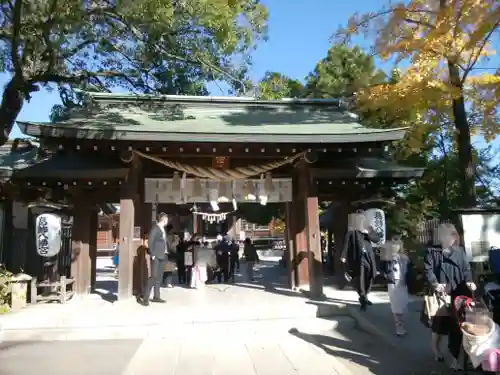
(438, 193)
(277, 86)
(342, 73)
(5, 289)
(144, 45)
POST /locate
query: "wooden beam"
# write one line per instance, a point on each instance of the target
(176, 150)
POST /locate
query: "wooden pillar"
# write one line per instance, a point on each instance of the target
(128, 196)
(290, 248)
(309, 202)
(94, 228)
(7, 238)
(300, 251)
(80, 249)
(20, 235)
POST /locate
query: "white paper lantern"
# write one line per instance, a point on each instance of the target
(375, 218)
(48, 235)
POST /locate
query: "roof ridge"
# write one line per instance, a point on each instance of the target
(97, 97)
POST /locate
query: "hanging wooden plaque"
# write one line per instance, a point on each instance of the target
(221, 162)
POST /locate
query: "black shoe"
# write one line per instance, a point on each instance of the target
(143, 302)
(363, 303)
(368, 302)
(158, 300)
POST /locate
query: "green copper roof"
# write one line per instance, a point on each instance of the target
(211, 119)
(369, 168)
(14, 158)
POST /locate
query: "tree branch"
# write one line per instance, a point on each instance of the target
(474, 59)
(49, 54)
(15, 42)
(75, 78)
(196, 59)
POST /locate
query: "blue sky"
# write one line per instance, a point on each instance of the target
(299, 33)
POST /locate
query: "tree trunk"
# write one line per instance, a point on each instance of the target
(12, 103)
(467, 169)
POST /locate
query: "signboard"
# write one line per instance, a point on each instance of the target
(48, 235)
(137, 234)
(375, 218)
(481, 232)
(159, 190)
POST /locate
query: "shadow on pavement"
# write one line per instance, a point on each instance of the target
(7, 345)
(363, 353)
(269, 276)
(107, 289)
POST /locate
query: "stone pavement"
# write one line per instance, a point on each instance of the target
(248, 328)
(95, 316)
(281, 347)
(252, 348)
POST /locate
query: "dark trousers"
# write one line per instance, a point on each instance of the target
(364, 281)
(181, 273)
(188, 271)
(454, 338)
(222, 274)
(167, 278)
(234, 265)
(154, 281)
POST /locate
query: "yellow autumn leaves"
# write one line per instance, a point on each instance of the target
(431, 38)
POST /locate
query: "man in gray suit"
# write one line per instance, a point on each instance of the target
(157, 250)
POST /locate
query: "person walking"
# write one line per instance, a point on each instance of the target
(222, 253)
(157, 250)
(199, 271)
(234, 256)
(397, 270)
(448, 273)
(359, 257)
(251, 256)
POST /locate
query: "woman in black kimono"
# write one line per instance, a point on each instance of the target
(359, 257)
(447, 270)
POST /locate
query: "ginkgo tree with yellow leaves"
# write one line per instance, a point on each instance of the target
(443, 47)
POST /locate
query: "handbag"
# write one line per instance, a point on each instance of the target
(435, 304)
(170, 266)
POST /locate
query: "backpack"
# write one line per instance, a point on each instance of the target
(494, 260)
